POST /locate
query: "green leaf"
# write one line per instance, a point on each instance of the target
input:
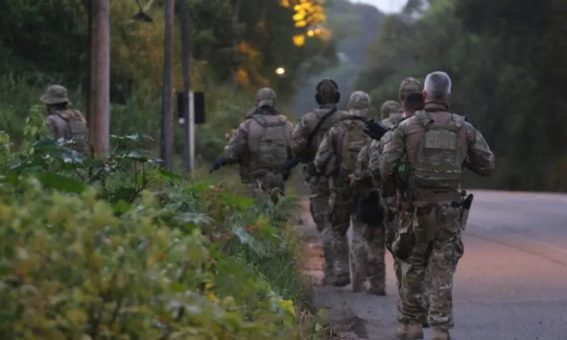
(61, 183)
(127, 194)
(170, 174)
(240, 202)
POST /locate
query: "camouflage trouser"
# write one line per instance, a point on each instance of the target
(319, 207)
(391, 227)
(341, 207)
(358, 255)
(367, 254)
(267, 186)
(438, 249)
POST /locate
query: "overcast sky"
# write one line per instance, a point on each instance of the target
(387, 6)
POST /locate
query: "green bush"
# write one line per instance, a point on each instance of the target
(119, 248)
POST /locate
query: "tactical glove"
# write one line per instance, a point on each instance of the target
(285, 168)
(217, 164)
(374, 130)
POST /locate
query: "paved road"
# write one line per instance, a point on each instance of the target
(511, 283)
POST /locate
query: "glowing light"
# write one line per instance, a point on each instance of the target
(280, 71)
(299, 40)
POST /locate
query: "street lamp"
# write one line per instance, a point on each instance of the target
(280, 71)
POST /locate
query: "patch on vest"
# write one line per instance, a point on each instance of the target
(440, 140)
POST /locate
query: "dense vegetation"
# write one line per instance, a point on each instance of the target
(236, 46)
(508, 61)
(121, 248)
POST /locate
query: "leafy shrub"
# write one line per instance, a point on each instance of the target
(121, 248)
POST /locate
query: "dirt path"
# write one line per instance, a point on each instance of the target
(351, 315)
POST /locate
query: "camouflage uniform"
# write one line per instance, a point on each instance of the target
(260, 145)
(304, 150)
(62, 121)
(391, 113)
(436, 144)
(368, 241)
(337, 157)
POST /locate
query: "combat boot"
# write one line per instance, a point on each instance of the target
(377, 286)
(379, 290)
(409, 330)
(441, 334)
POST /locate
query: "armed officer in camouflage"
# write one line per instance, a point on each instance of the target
(437, 145)
(412, 100)
(336, 158)
(367, 250)
(370, 250)
(260, 145)
(307, 136)
(391, 113)
(64, 122)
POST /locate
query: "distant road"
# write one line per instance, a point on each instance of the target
(511, 283)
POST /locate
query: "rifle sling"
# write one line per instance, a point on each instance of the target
(319, 125)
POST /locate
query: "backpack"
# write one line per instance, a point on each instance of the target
(269, 141)
(75, 130)
(438, 164)
(353, 139)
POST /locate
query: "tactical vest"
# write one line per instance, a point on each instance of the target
(349, 144)
(75, 129)
(268, 141)
(438, 165)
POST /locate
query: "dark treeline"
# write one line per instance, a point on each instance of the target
(508, 61)
(236, 46)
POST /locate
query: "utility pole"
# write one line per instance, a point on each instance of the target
(166, 149)
(98, 98)
(188, 117)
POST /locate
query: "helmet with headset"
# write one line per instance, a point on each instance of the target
(327, 92)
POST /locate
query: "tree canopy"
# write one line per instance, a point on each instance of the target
(508, 63)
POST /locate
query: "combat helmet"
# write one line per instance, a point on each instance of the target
(359, 100)
(389, 108)
(265, 97)
(407, 86)
(359, 103)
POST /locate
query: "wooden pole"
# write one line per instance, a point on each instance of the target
(167, 87)
(99, 77)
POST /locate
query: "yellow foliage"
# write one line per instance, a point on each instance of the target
(299, 40)
(309, 14)
(242, 77)
(288, 306)
(248, 50)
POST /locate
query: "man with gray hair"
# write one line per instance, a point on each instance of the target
(437, 145)
(438, 86)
